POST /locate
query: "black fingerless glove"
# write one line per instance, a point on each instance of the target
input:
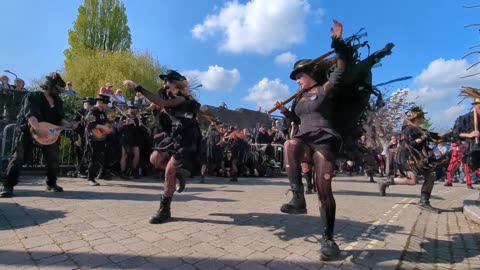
(341, 48)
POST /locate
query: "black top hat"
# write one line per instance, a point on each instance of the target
(172, 75)
(104, 98)
(53, 81)
(300, 66)
(416, 112)
(89, 100)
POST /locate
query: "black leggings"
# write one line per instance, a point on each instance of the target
(296, 152)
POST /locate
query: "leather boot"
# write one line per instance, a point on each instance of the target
(163, 213)
(308, 179)
(181, 175)
(297, 205)
(329, 249)
(383, 184)
(6, 192)
(425, 202)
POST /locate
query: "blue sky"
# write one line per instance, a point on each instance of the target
(234, 47)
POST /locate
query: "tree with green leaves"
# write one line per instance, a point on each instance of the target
(101, 25)
(92, 70)
(100, 51)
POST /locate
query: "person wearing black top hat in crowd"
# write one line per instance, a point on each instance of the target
(130, 138)
(414, 158)
(79, 140)
(177, 153)
(97, 145)
(39, 106)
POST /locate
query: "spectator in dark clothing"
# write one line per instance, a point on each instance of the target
(263, 137)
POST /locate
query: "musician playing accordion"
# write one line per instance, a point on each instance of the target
(38, 106)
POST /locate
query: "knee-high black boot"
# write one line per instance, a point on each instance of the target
(163, 214)
(297, 205)
(329, 249)
(425, 201)
(308, 179)
(383, 184)
(181, 176)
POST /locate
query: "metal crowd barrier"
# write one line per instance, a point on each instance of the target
(67, 157)
(8, 139)
(278, 152)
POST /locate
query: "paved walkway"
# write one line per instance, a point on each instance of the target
(223, 225)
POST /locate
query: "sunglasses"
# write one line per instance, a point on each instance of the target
(299, 75)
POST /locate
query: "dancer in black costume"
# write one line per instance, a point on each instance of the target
(414, 158)
(178, 151)
(315, 141)
(341, 85)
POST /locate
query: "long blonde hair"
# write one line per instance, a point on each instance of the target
(184, 88)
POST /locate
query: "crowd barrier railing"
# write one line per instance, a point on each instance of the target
(278, 151)
(67, 158)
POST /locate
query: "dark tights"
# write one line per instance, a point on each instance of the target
(323, 162)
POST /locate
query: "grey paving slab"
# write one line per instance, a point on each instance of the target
(224, 225)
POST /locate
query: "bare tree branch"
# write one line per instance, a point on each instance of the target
(470, 54)
(473, 65)
(471, 75)
(474, 24)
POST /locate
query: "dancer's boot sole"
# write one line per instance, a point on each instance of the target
(289, 209)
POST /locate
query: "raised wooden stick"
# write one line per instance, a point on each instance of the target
(475, 124)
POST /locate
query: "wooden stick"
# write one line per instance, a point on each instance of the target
(475, 124)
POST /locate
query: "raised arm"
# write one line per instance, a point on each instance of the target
(157, 100)
(341, 50)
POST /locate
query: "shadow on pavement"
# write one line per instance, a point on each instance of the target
(287, 227)
(434, 251)
(15, 216)
(102, 194)
(376, 194)
(87, 260)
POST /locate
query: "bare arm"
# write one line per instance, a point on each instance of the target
(336, 32)
(470, 135)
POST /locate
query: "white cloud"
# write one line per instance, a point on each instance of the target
(318, 15)
(453, 112)
(215, 78)
(266, 92)
(437, 88)
(444, 73)
(286, 58)
(259, 26)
